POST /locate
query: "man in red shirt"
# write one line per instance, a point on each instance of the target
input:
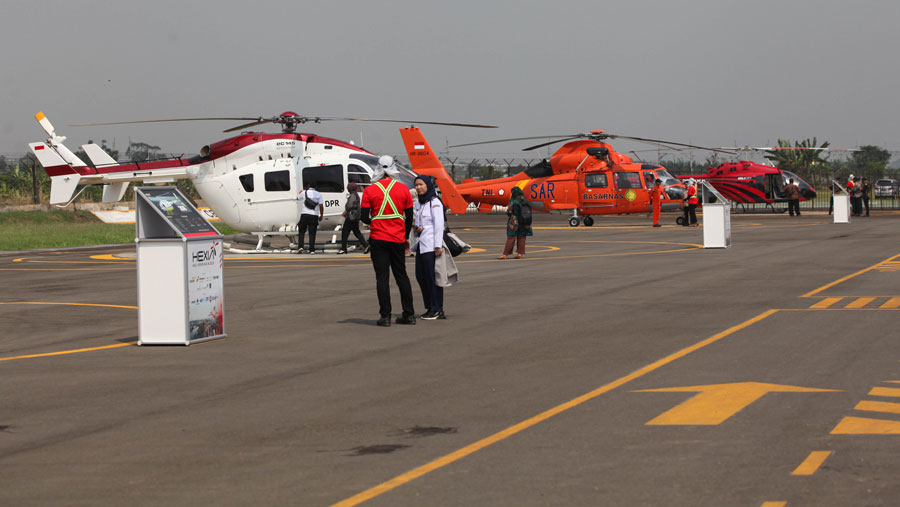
(387, 207)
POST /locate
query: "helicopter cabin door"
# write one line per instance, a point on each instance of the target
(329, 181)
(596, 194)
(631, 196)
(775, 186)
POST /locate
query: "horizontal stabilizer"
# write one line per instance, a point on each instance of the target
(98, 157)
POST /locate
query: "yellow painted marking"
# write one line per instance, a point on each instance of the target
(885, 391)
(893, 381)
(844, 279)
(111, 257)
(512, 430)
(64, 304)
(860, 303)
(67, 351)
(717, 402)
(773, 504)
(62, 352)
(866, 426)
(811, 463)
(19, 259)
(879, 406)
(891, 303)
(825, 303)
(887, 266)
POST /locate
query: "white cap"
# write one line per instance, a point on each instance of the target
(386, 166)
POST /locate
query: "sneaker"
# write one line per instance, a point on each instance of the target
(441, 316)
(299, 251)
(430, 316)
(384, 322)
(311, 252)
(408, 320)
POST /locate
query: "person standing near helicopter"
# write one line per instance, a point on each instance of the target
(390, 225)
(656, 196)
(351, 216)
(518, 227)
(691, 201)
(312, 211)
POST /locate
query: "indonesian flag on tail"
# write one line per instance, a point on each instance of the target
(419, 146)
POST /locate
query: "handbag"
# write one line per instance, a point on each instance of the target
(455, 244)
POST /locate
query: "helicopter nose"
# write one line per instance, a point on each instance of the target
(809, 193)
(676, 193)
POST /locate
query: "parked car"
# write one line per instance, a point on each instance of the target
(887, 188)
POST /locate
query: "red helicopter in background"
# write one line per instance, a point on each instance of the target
(585, 177)
(747, 182)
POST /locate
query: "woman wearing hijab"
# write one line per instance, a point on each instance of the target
(351, 216)
(516, 231)
(428, 224)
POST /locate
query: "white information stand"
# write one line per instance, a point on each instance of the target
(841, 203)
(179, 270)
(716, 218)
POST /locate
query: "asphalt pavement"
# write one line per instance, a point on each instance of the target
(618, 364)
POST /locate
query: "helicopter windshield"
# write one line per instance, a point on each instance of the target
(667, 179)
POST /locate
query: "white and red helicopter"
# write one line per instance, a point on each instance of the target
(251, 181)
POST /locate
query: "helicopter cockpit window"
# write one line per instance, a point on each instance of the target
(596, 180)
(627, 180)
(247, 182)
(649, 179)
(666, 178)
(358, 174)
(328, 178)
(277, 181)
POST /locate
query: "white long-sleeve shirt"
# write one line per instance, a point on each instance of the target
(430, 217)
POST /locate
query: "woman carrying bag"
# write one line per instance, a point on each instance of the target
(428, 240)
(516, 229)
(351, 216)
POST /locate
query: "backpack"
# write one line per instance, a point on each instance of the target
(354, 212)
(525, 212)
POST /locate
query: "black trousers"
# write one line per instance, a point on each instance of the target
(390, 257)
(794, 205)
(432, 294)
(866, 203)
(690, 215)
(310, 222)
(351, 225)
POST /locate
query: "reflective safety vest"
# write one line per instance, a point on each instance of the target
(692, 195)
(387, 201)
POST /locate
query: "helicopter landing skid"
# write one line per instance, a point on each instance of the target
(291, 235)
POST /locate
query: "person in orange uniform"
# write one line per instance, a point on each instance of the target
(387, 207)
(692, 201)
(656, 197)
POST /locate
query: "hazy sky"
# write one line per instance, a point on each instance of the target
(706, 72)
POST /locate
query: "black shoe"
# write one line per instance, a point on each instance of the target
(366, 250)
(429, 316)
(384, 322)
(408, 320)
(441, 316)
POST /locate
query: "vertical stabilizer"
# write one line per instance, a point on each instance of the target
(424, 161)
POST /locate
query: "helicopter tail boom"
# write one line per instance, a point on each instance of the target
(424, 161)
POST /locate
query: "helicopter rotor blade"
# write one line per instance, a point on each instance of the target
(671, 143)
(246, 125)
(551, 142)
(450, 124)
(511, 139)
(159, 121)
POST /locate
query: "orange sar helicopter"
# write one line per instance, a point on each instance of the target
(585, 177)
